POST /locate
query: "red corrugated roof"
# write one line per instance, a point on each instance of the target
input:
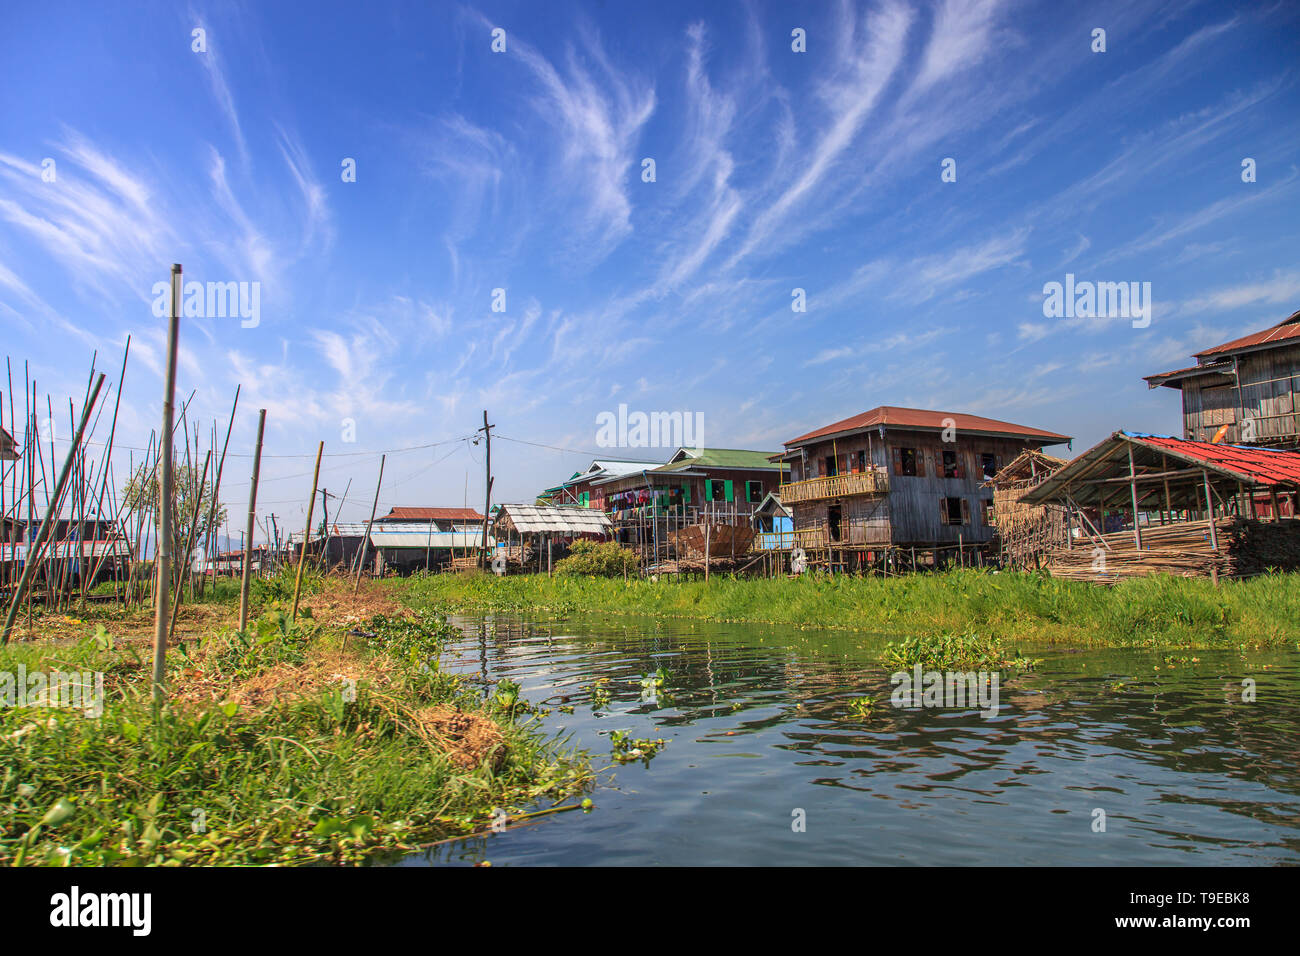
(893, 416)
(432, 514)
(1261, 465)
(1288, 328)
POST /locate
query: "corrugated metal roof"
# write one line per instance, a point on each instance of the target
(1261, 465)
(1165, 378)
(558, 519)
(896, 417)
(431, 514)
(685, 458)
(421, 540)
(1287, 329)
(68, 549)
(1108, 459)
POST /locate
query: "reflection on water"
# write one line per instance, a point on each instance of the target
(759, 728)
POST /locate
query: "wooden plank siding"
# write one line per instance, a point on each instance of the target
(1269, 381)
(913, 510)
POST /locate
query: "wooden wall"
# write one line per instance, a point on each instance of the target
(1269, 383)
(912, 513)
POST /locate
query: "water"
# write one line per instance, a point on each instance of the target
(758, 729)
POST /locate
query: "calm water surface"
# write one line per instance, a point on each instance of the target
(758, 725)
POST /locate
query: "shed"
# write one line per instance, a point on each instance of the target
(1192, 508)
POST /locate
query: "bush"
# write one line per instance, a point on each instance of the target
(604, 559)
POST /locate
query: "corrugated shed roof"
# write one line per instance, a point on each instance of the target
(1287, 330)
(432, 514)
(896, 417)
(1262, 465)
(1166, 378)
(611, 468)
(426, 540)
(558, 519)
(1108, 459)
(685, 458)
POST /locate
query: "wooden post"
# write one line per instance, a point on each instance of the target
(163, 560)
(34, 546)
(707, 528)
(361, 563)
(1209, 507)
(1133, 495)
(306, 537)
(252, 511)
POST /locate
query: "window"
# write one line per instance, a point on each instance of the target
(753, 491)
(862, 461)
(711, 489)
(905, 461)
(829, 466)
(989, 463)
(950, 465)
(953, 511)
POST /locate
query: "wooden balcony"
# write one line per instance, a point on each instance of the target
(873, 482)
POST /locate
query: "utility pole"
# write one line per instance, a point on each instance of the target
(487, 483)
(325, 546)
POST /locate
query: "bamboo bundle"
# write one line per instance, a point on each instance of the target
(1246, 547)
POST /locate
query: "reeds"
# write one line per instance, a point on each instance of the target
(1155, 610)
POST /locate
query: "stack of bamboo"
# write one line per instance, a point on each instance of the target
(1246, 547)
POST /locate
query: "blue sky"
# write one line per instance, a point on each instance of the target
(522, 171)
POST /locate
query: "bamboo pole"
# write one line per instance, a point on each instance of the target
(365, 542)
(162, 578)
(216, 492)
(32, 549)
(252, 511)
(189, 541)
(306, 537)
(1209, 505)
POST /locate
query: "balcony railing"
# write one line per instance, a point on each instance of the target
(873, 482)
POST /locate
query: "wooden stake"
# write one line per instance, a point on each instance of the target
(216, 492)
(33, 549)
(252, 511)
(306, 537)
(162, 589)
(369, 524)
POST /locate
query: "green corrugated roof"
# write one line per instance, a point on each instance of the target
(723, 458)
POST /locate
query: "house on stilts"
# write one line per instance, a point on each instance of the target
(896, 488)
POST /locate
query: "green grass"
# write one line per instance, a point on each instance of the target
(1149, 612)
(326, 775)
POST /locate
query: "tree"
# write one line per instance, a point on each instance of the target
(141, 493)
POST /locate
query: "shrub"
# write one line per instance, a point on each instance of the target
(604, 559)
